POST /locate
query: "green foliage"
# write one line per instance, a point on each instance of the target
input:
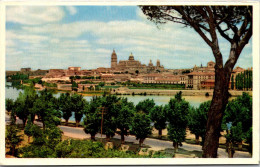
(249, 140)
(23, 105)
(77, 106)
(92, 118)
(47, 108)
(239, 110)
(232, 82)
(9, 104)
(197, 119)
(177, 111)
(89, 149)
(49, 84)
(74, 85)
(244, 80)
(12, 138)
(44, 142)
(19, 76)
(125, 115)
(145, 105)
(110, 104)
(141, 126)
(158, 116)
(101, 84)
(236, 133)
(65, 105)
(239, 113)
(185, 72)
(29, 127)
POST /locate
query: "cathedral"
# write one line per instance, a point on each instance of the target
(134, 66)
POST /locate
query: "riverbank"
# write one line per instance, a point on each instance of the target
(127, 91)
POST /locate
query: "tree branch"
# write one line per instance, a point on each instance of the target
(194, 25)
(237, 48)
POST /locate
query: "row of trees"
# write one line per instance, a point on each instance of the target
(243, 81)
(120, 114)
(237, 122)
(117, 113)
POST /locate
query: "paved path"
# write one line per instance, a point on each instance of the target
(155, 144)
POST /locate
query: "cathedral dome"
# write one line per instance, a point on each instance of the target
(131, 57)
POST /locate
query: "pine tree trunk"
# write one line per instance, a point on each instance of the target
(197, 139)
(141, 142)
(122, 138)
(77, 123)
(43, 125)
(107, 138)
(32, 118)
(93, 137)
(24, 123)
(66, 122)
(215, 113)
(175, 145)
(240, 145)
(230, 150)
(13, 149)
(160, 133)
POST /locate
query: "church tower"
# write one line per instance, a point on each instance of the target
(158, 64)
(113, 60)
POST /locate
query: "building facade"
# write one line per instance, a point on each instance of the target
(134, 66)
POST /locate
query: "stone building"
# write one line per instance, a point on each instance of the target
(25, 69)
(133, 66)
(195, 78)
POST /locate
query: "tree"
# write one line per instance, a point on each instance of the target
(92, 118)
(65, 105)
(12, 138)
(28, 128)
(77, 106)
(177, 111)
(44, 142)
(101, 84)
(47, 109)
(197, 120)
(9, 105)
(158, 116)
(124, 118)
(141, 126)
(23, 105)
(238, 113)
(109, 118)
(145, 105)
(232, 82)
(233, 23)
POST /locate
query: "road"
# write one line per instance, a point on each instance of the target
(155, 144)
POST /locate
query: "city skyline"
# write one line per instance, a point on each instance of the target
(85, 36)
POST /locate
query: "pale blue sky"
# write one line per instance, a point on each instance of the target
(85, 36)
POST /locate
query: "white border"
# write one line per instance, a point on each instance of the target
(132, 161)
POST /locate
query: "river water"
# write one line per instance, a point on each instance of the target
(195, 101)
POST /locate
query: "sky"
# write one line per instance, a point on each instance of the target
(56, 37)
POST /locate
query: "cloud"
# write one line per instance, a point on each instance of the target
(72, 10)
(33, 15)
(12, 36)
(89, 43)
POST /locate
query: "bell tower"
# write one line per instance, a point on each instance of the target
(113, 59)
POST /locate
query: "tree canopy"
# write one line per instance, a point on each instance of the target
(233, 23)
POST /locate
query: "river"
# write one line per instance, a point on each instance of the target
(195, 101)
